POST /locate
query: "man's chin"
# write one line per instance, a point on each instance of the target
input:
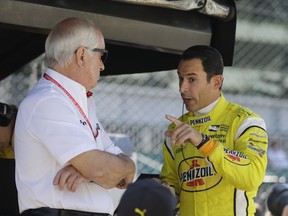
(190, 108)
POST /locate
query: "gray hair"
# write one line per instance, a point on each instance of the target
(66, 37)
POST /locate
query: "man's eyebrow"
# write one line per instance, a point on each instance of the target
(187, 74)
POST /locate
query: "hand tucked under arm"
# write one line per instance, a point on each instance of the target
(69, 177)
(129, 178)
(105, 169)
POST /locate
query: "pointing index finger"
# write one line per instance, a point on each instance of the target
(173, 120)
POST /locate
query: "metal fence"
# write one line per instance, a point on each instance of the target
(135, 105)
(261, 46)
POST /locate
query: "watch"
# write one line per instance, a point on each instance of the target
(205, 138)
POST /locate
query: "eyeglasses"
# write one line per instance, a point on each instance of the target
(103, 51)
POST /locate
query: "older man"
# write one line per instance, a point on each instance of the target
(58, 133)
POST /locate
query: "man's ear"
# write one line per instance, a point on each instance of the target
(80, 56)
(217, 81)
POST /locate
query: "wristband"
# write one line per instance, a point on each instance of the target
(205, 139)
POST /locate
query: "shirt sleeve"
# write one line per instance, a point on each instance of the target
(168, 172)
(108, 144)
(245, 165)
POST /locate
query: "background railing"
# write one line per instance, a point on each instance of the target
(135, 105)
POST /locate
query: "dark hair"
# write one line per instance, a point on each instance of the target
(211, 59)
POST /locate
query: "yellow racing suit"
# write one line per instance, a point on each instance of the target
(223, 176)
(8, 152)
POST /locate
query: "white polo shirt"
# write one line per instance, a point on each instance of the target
(49, 132)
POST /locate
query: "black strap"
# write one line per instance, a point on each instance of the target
(45, 211)
(205, 139)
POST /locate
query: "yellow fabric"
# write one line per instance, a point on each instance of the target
(223, 180)
(9, 151)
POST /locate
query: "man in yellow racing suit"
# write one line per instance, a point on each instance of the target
(214, 155)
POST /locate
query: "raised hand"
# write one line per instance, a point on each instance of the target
(182, 132)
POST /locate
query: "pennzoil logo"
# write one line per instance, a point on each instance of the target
(200, 121)
(233, 155)
(197, 175)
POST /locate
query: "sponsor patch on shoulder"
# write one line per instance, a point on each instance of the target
(257, 149)
(259, 134)
(234, 155)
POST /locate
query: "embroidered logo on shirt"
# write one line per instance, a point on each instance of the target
(195, 177)
(200, 121)
(83, 122)
(234, 155)
(97, 129)
(257, 149)
(259, 134)
(214, 128)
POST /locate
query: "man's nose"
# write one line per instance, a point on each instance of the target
(183, 87)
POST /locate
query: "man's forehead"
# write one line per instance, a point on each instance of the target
(190, 67)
